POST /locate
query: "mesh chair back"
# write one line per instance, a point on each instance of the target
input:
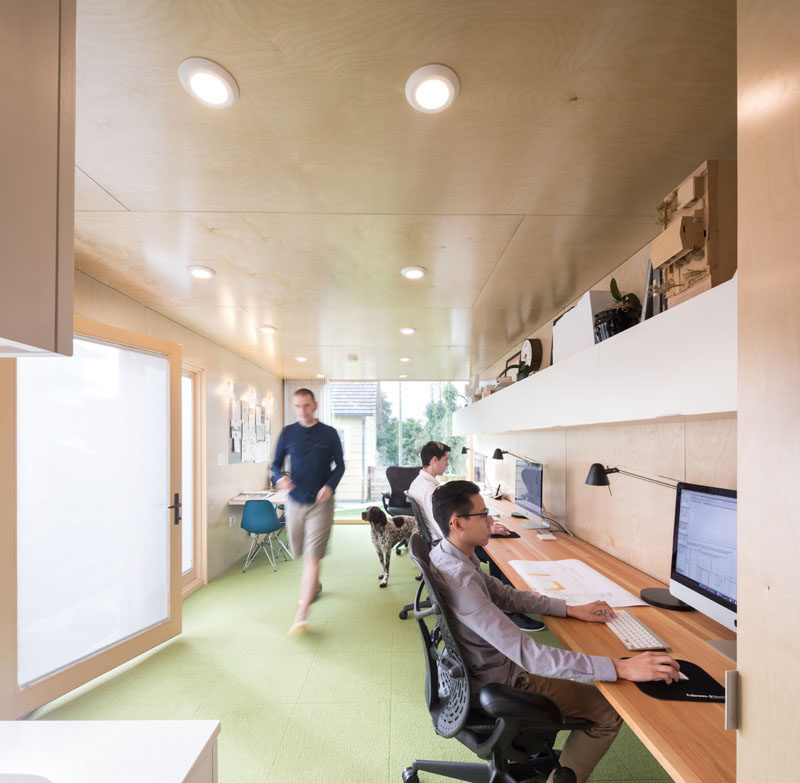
(421, 526)
(447, 686)
(399, 481)
(259, 517)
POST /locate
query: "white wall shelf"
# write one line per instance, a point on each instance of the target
(682, 363)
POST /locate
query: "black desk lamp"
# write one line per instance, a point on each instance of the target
(464, 449)
(498, 454)
(655, 596)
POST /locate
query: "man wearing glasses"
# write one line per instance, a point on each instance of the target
(497, 651)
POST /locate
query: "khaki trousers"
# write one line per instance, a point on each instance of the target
(584, 747)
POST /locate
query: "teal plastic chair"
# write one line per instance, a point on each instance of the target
(260, 520)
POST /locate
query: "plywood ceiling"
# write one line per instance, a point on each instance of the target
(309, 195)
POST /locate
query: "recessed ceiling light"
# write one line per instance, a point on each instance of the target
(404, 359)
(203, 272)
(320, 375)
(208, 82)
(300, 359)
(267, 329)
(407, 330)
(402, 376)
(432, 88)
(413, 272)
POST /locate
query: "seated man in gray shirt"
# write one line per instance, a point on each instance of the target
(497, 651)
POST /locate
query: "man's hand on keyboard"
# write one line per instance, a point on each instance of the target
(648, 666)
(595, 612)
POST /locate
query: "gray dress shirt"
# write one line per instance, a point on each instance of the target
(495, 648)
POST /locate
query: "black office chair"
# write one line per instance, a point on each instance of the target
(511, 729)
(426, 534)
(394, 501)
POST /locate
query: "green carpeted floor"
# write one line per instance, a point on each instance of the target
(345, 702)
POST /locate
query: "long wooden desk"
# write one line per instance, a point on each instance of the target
(687, 738)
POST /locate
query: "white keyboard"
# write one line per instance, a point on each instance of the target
(633, 633)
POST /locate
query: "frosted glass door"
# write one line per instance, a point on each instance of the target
(92, 496)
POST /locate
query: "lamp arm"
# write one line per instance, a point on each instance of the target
(518, 456)
(646, 478)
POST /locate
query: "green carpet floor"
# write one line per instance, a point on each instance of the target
(343, 703)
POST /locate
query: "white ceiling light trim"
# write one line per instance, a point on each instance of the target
(208, 82)
(432, 88)
(300, 359)
(200, 272)
(407, 330)
(268, 329)
(413, 272)
(404, 359)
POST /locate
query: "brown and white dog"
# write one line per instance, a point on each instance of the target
(387, 535)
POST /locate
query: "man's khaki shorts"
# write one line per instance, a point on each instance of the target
(308, 526)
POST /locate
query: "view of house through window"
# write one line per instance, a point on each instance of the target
(384, 423)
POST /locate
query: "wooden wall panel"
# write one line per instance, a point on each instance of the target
(769, 379)
(711, 452)
(634, 521)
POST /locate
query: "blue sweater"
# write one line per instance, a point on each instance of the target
(312, 451)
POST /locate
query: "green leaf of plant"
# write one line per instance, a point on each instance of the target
(615, 290)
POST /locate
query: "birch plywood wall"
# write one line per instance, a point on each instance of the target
(635, 522)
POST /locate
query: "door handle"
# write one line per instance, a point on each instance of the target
(176, 507)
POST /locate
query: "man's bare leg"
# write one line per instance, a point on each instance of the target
(308, 584)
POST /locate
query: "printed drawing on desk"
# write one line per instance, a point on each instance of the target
(573, 581)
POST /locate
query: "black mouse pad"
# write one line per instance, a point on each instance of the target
(700, 686)
(510, 534)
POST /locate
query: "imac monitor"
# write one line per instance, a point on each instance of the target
(528, 492)
(479, 469)
(703, 572)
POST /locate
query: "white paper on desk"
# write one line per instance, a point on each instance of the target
(573, 581)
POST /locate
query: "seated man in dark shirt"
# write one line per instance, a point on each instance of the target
(497, 651)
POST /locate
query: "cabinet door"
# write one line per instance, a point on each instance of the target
(37, 161)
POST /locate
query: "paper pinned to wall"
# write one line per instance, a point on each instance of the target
(573, 581)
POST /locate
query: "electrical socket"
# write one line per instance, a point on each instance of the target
(231, 520)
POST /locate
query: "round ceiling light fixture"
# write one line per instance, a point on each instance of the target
(402, 376)
(300, 359)
(268, 329)
(432, 88)
(201, 272)
(320, 375)
(413, 272)
(208, 82)
(407, 330)
(404, 359)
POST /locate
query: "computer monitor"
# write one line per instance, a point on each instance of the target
(479, 469)
(528, 492)
(703, 572)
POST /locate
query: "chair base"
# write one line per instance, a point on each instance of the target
(260, 542)
(403, 615)
(488, 772)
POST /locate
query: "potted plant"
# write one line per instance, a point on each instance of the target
(617, 319)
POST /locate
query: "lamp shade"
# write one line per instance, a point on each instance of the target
(498, 454)
(597, 476)
(464, 449)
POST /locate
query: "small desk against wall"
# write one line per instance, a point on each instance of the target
(687, 738)
(275, 496)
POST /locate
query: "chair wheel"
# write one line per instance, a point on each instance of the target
(398, 552)
(409, 776)
(404, 616)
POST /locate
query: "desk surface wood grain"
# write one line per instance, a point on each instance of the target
(687, 738)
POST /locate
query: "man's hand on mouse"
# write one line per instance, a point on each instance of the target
(648, 666)
(499, 529)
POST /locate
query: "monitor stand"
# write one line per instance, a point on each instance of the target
(726, 646)
(661, 597)
(533, 524)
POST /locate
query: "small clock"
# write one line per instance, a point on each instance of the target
(531, 354)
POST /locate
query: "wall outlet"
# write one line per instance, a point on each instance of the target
(220, 459)
(231, 520)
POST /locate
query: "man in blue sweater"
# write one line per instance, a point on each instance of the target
(317, 466)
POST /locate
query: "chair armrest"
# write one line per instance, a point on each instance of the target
(385, 498)
(503, 701)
